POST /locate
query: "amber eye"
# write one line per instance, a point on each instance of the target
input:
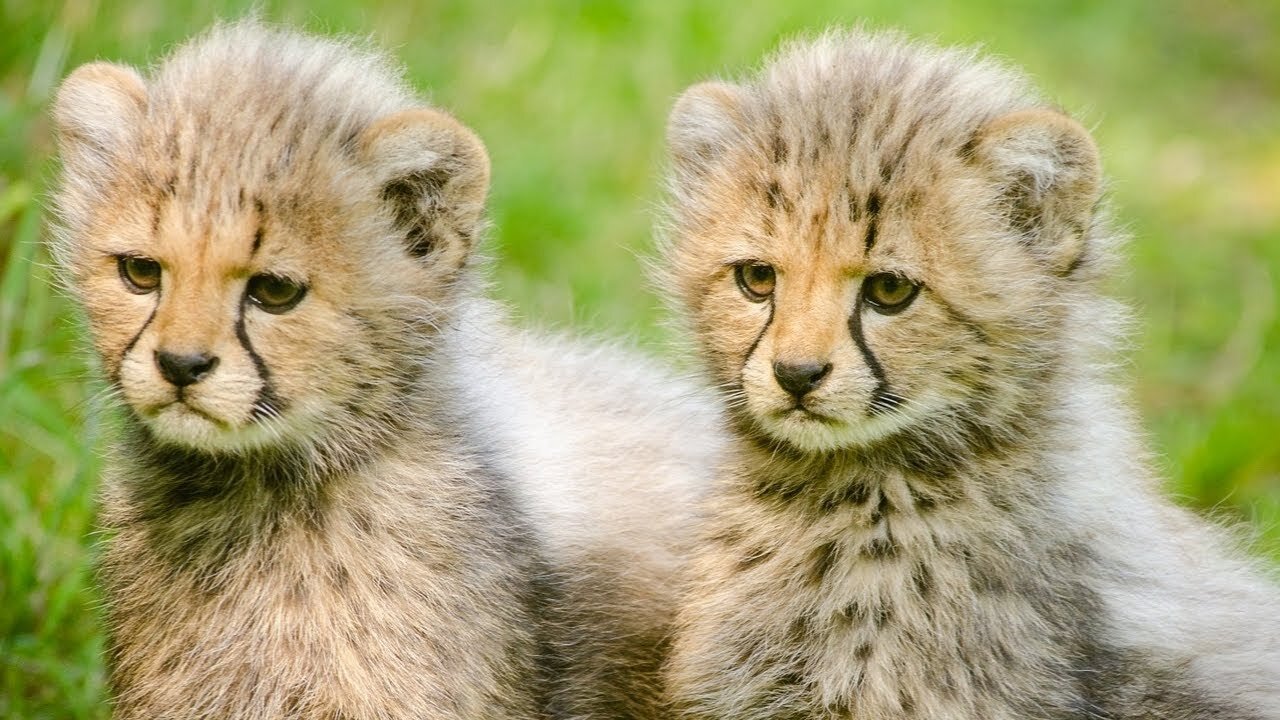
(889, 293)
(755, 279)
(274, 294)
(141, 275)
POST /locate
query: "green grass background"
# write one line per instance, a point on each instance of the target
(571, 98)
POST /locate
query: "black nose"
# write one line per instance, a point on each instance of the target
(800, 378)
(183, 370)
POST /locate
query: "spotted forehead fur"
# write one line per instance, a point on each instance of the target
(295, 97)
(871, 105)
(211, 141)
(810, 154)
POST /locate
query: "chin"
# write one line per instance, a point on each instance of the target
(820, 432)
(181, 424)
(817, 434)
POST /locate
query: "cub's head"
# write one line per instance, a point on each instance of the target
(874, 240)
(264, 235)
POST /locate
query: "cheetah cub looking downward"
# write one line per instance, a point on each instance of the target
(938, 505)
(343, 487)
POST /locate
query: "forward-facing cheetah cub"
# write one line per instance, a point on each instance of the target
(343, 488)
(938, 505)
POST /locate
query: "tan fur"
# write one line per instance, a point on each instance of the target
(370, 507)
(959, 520)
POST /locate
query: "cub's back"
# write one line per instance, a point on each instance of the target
(605, 445)
(609, 455)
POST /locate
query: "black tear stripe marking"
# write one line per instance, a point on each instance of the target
(882, 399)
(759, 336)
(115, 376)
(267, 397)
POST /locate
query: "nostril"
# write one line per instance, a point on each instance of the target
(800, 378)
(183, 370)
(821, 374)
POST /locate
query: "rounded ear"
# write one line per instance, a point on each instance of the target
(703, 123)
(95, 112)
(1049, 175)
(433, 175)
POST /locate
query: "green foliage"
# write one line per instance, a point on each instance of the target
(571, 98)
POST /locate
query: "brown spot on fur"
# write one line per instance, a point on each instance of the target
(851, 613)
(823, 142)
(906, 701)
(854, 492)
(776, 198)
(855, 206)
(753, 558)
(156, 209)
(819, 219)
(912, 199)
(799, 630)
(883, 508)
(881, 548)
(363, 521)
(882, 615)
(820, 562)
(1074, 266)
(339, 576)
(922, 579)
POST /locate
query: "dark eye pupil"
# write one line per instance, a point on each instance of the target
(274, 289)
(889, 292)
(755, 280)
(274, 293)
(142, 269)
(140, 274)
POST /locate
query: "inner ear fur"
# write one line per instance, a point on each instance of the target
(95, 112)
(1049, 174)
(703, 123)
(433, 174)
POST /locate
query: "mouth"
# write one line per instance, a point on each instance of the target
(181, 409)
(800, 413)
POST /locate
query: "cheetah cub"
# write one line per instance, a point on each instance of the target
(342, 486)
(938, 504)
